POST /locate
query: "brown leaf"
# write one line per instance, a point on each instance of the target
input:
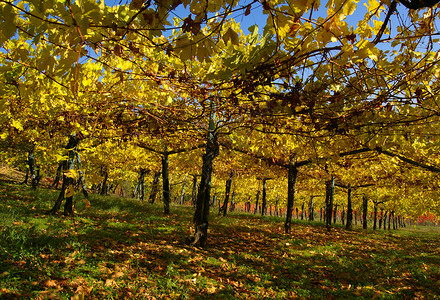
(51, 283)
(118, 50)
(248, 10)
(351, 38)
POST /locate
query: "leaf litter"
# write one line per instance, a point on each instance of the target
(247, 257)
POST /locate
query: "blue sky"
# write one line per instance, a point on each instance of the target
(257, 17)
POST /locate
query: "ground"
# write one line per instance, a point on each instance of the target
(120, 248)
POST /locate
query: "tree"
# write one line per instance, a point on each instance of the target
(292, 174)
(310, 84)
(67, 189)
(224, 207)
(201, 214)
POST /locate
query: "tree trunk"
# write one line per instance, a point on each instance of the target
(311, 212)
(67, 189)
(166, 195)
(364, 212)
(57, 178)
(182, 193)
(26, 177)
(335, 213)
(232, 206)
(390, 216)
(142, 184)
(381, 218)
(214, 200)
(291, 180)
(264, 198)
(194, 191)
(343, 215)
(33, 170)
(276, 205)
(375, 217)
(224, 207)
(256, 202)
(114, 187)
(349, 224)
(385, 220)
(104, 185)
(60, 199)
(330, 188)
(155, 186)
(394, 221)
(81, 181)
(201, 213)
(139, 191)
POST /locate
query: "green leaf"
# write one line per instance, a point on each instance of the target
(8, 27)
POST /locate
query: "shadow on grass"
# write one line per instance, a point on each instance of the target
(123, 248)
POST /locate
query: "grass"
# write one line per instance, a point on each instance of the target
(121, 248)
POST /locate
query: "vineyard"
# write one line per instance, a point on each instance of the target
(126, 249)
(298, 110)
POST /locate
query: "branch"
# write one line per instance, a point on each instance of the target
(268, 160)
(265, 178)
(408, 160)
(384, 25)
(286, 165)
(342, 154)
(186, 149)
(353, 187)
(150, 149)
(170, 152)
(416, 4)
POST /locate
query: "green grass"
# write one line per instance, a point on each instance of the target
(121, 248)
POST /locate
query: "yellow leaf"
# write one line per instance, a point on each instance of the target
(77, 297)
(17, 124)
(350, 7)
(69, 191)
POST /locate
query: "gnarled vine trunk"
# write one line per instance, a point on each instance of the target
(104, 185)
(166, 198)
(311, 209)
(182, 192)
(68, 180)
(291, 180)
(330, 189)
(201, 215)
(194, 191)
(224, 207)
(264, 198)
(57, 178)
(364, 211)
(349, 224)
(33, 170)
(139, 192)
(81, 182)
(155, 186)
(257, 198)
